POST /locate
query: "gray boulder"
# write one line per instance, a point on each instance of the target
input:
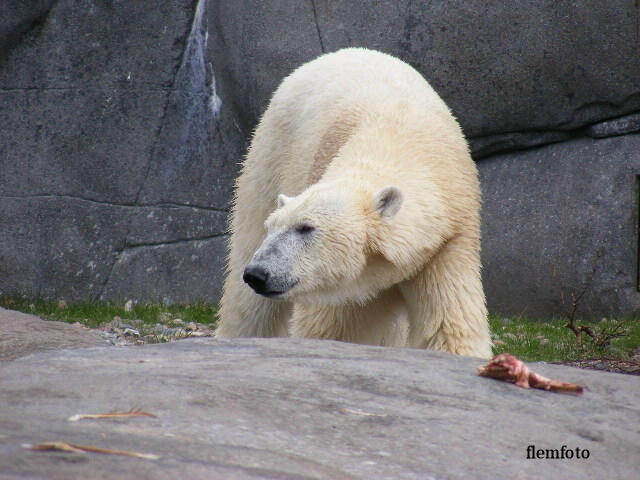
(303, 409)
(113, 147)
(525, 73)
(561, 220)
(22, 335)
(20, 16)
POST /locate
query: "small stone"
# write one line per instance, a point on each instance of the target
(175, 333)
(62, 304)
(131, 332)
(136, 323)
(109, 337)
(115, 323)
(159, 328)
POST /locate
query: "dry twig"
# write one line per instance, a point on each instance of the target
(131, 413)
(75, 448)
(361, 412)
(601, 336)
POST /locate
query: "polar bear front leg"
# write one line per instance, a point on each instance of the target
(446, 303)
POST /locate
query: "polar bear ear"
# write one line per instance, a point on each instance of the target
(388, 201)
(283, 200)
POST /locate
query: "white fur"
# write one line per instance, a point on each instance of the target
(374, 160)
(283, 200)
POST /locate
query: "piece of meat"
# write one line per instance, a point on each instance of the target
(510, 369)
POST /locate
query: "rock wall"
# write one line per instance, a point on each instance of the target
(560, 223)
(117, 158)
(121, 126)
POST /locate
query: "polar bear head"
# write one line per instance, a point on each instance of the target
(326, 245)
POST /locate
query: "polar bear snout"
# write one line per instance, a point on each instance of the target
(256, 277)
(264, 282)
(269, 272)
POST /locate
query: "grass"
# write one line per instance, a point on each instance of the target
(529, 340)
(551, 341)
(93, 314)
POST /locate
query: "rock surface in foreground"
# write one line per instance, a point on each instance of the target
(22, 334)
(303, 409)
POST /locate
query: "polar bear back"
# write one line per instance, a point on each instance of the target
(317, 107)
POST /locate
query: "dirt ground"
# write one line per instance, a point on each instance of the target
(630, 366)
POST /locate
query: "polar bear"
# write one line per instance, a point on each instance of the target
(356, 214)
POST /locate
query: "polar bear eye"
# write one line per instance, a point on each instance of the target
(305, 228)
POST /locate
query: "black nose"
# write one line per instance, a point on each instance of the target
(256, 277)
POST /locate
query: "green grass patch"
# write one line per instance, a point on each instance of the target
(551, 341)
(93, 314)
(529, 340)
